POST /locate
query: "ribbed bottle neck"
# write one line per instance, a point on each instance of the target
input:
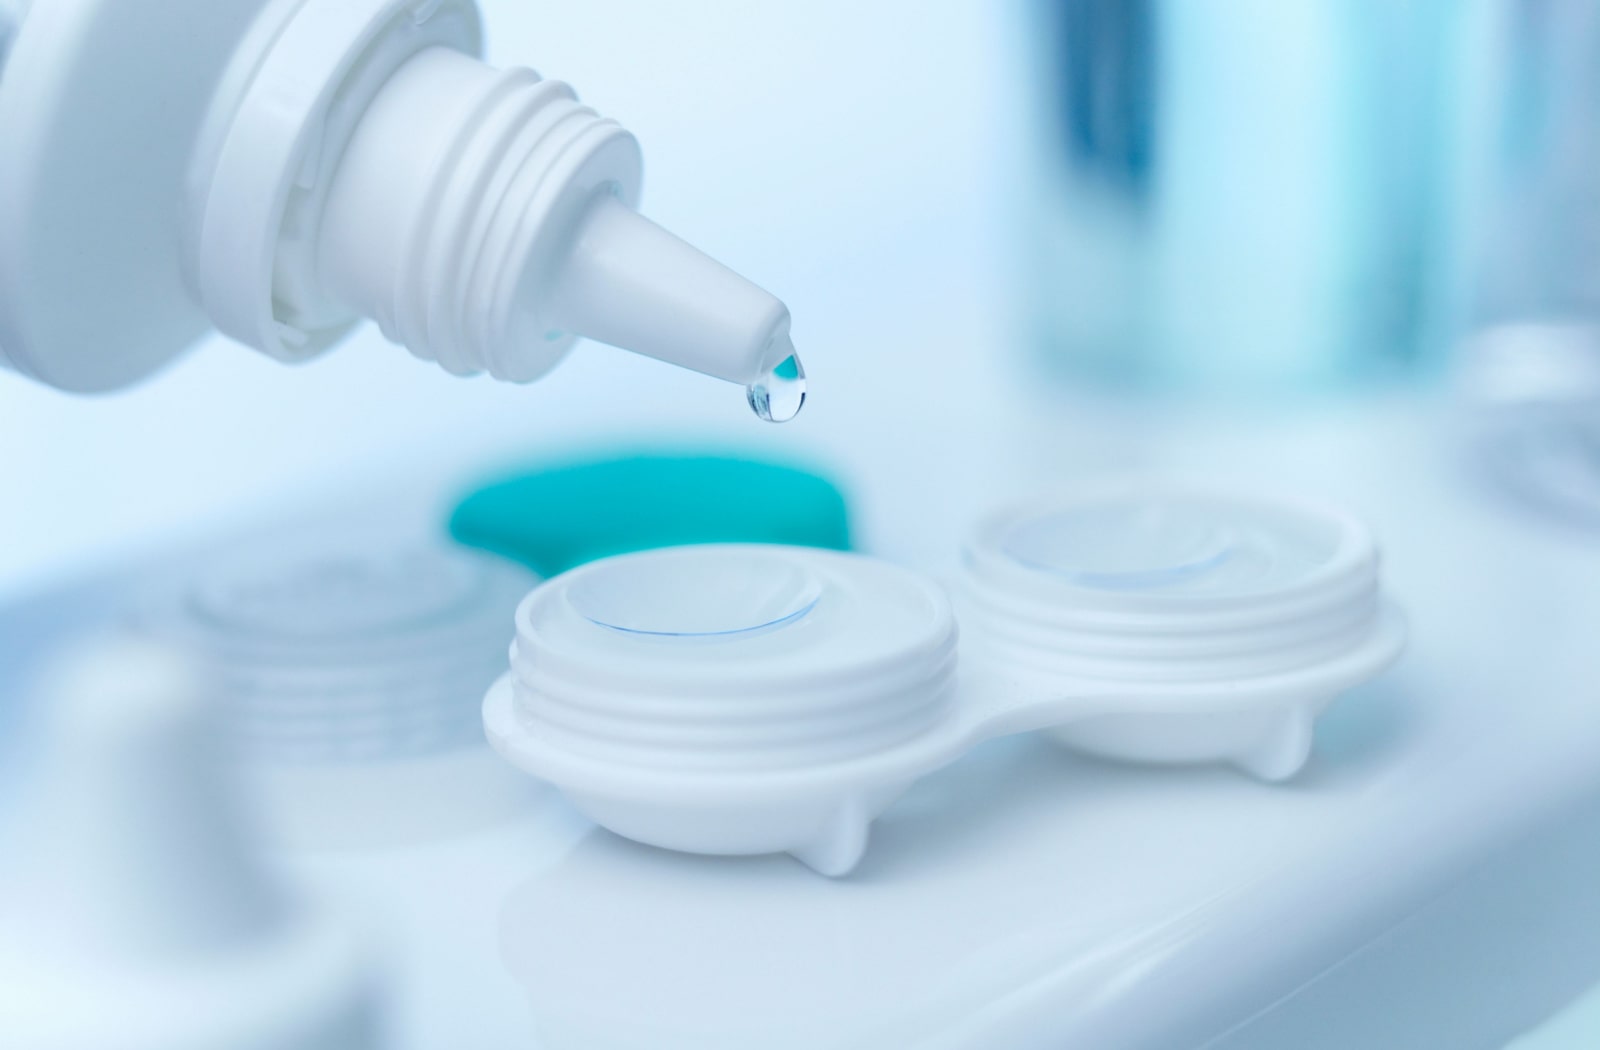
(504, 218)
(456, 199)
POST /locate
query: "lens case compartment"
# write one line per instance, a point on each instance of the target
(739, 699)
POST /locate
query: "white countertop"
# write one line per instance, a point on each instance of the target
(1025, 897)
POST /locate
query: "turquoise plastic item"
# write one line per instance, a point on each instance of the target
(558, 517)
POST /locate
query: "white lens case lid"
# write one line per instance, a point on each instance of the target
(741, 620)
(737, 699)
(1161, 550)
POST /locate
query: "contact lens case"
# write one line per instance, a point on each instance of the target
(749, 699)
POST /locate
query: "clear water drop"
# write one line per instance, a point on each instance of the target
(778, 396)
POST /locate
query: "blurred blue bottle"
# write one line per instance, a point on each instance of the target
(1243, 194)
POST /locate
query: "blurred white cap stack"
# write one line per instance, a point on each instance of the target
(352, 667)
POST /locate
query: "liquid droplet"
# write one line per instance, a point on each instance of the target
(778, 396)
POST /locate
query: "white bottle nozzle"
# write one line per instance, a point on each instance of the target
(632, 284)
(485, 219)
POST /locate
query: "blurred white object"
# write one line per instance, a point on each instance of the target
(1531, 413)
(350, 666)
(732, 699)
(140, 918)
(279, 170)
(1532, 364)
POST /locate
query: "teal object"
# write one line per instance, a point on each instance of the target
(555, 518)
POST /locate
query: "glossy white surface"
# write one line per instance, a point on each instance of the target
(1427, 881)
(1023, 898)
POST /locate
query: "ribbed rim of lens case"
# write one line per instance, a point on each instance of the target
(739, 699)
(1163, 584)
(793, 658)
